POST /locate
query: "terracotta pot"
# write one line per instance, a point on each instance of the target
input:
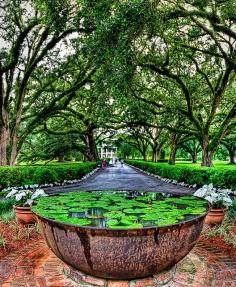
(24, 214)
(216, 215)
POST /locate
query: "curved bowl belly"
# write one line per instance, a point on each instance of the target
(120, 253)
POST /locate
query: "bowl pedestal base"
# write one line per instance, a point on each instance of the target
(159, 280)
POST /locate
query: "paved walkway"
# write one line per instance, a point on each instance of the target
(36, 266)
(122, 178)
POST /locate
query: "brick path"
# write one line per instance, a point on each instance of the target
(36, 266)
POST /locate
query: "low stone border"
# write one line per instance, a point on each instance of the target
(158, 280)
(48, 185)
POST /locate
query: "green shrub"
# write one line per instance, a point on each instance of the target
(6, 205)
(234, 205)
(222, 178)
(3, 193)
(27, 175)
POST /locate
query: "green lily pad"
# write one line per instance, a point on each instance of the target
(151, 216)
(113, 222)
(78, 209)
(135, 211)
(119, 209)
(73, 204)
(113, 214)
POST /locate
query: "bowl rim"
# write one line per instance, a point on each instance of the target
(127, 230)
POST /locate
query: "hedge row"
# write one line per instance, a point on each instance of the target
(26, 175)
(223, 178)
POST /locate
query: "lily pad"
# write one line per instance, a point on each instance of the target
(113, 214)
(113, 222)
(78, 209)
(112, 209)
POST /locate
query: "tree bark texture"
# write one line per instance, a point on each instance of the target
(91, 145)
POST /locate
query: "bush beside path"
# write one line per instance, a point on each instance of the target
(29, 175)
(219, 177)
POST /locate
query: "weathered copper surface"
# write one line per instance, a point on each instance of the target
(121, 253)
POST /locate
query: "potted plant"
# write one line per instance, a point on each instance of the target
(220, 200)
(24, 199)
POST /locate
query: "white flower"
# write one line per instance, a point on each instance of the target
(201, 192)
(12, 192)
(20, 195)
(27, 195)
(214, 195)
(208, 198)
(29, 202)
(38, 193)
(228, 201)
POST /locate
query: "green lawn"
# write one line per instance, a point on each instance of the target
(216, 164)
(53, 162)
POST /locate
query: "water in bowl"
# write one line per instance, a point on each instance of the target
(120, 209)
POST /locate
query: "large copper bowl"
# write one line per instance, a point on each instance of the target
(121, 253)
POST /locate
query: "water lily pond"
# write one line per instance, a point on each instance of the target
(118, 209)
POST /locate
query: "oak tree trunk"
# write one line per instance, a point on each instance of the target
(207, 158)
(144, 154)
(173, 148)
(91, 144)
(4, 137)
(154, 153)
(207, 155)
(4, 140)
(194, 157)
(14, 149)
(61, 158)
(231, 156)
(173, 154)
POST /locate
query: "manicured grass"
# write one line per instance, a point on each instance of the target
(216, 164)
(53, 162)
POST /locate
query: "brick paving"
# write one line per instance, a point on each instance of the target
(36, 266)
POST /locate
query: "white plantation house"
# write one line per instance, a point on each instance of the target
(107, 151)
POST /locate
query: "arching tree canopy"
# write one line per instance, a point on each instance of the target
(160, 74)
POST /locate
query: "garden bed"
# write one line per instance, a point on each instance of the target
(219, 243)
(14, 237)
